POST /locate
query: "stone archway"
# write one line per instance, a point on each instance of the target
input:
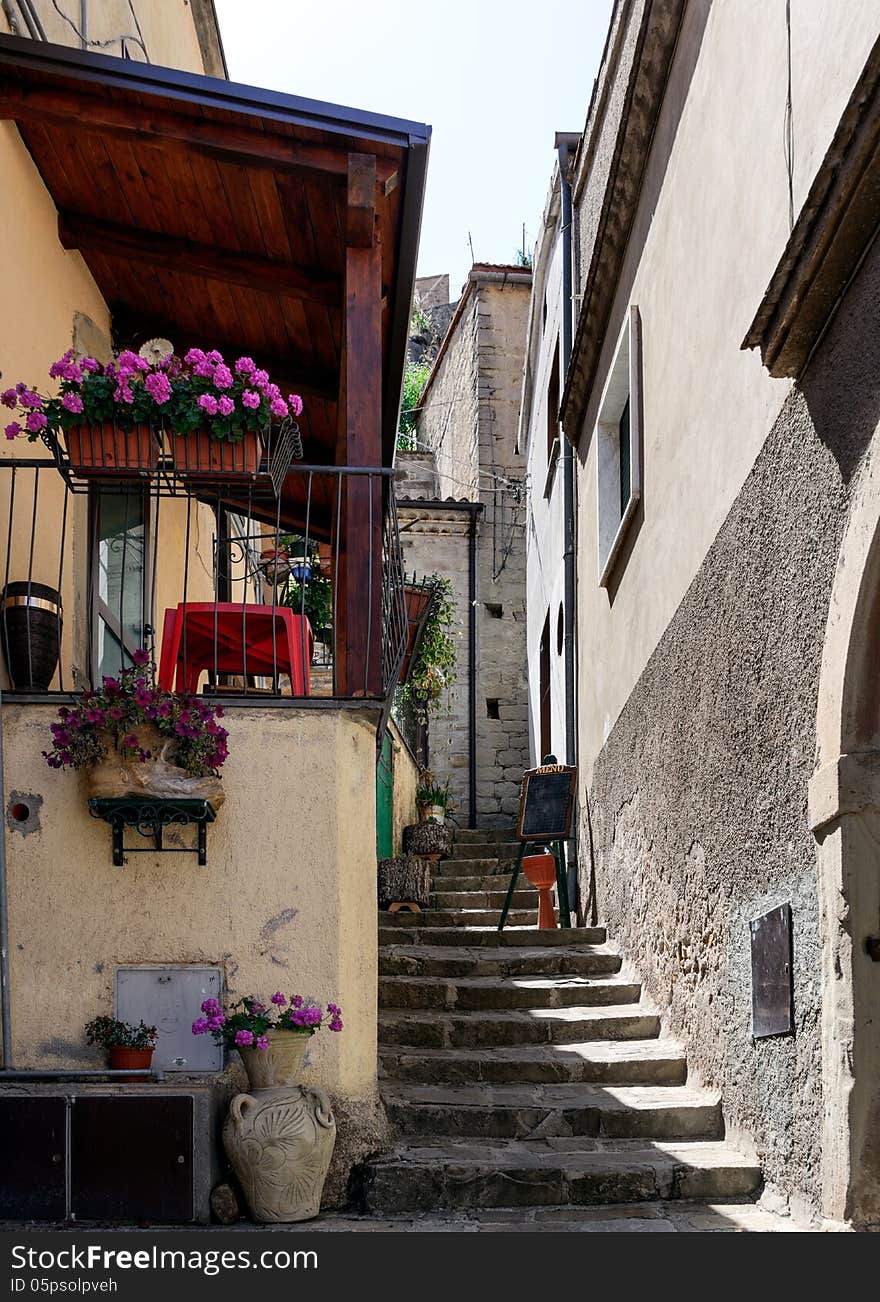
(844, 802)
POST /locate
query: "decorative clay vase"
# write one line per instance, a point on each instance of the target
(540, 870)
(280, 1137)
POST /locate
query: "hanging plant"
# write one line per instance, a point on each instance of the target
(433, 672)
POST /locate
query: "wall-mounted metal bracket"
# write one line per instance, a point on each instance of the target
(149, 817)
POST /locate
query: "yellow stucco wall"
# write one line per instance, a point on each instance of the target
(406, 781)
(167, 28)
(287, 900)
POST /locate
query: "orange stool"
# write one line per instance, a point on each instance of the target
(540, 869)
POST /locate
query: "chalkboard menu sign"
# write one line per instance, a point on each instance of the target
(546, 803)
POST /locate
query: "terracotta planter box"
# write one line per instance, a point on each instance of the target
(107, 449)
(198, 456)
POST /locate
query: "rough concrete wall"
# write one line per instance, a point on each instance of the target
(502, 741)
(699, 795)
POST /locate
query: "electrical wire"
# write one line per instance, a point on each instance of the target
(103, 45)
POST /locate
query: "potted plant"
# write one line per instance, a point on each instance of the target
(432, 666)
(314, 594)
(134, 739)
(130, 1047)
(424, 794)
(271, 1038)
(279, 1137)
(111, 417)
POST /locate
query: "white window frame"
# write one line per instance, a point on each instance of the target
(624, 382)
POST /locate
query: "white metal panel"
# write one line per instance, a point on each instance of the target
(170, 997)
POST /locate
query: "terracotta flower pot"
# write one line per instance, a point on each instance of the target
(123, 1058)
(540, 870)
(95, 450)
(199, 456)
(280, 1064)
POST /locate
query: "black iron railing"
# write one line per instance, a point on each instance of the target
(249, 587)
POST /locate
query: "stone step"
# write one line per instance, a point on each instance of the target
(446, 868)
(420, 928)
(528, 960)
(592, 1062)
(547, 1111)
(485, 850)
(471, 993)
(458, 918)
(467, 835)
(441, 1029)
(455, 900)
(557, 1172)
(484, 882)
(680, 1217)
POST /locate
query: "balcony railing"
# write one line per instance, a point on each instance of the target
(251, 589)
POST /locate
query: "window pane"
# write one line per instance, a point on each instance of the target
(625, 468)
(121, 535)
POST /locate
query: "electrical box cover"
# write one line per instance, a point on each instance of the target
(170, 997)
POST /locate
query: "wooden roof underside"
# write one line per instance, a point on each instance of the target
(217, 215)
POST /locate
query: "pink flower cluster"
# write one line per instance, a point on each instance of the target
(131, 387)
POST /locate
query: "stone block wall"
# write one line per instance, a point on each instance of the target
(502, 692)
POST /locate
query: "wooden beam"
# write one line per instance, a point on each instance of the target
(163, 127)
(361, 206)
(359, 443)
(172, 253)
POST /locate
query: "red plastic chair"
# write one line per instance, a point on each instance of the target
(234, 639)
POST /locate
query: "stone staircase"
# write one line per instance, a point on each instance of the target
(521, 1071)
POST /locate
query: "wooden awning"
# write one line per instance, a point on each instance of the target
(225, 216)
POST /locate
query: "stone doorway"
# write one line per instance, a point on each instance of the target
(844, 803)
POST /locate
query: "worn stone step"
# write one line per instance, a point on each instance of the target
(471, 993)
(484, 850)
(484, 882)
(527, 960)
(441, 1029)
(545, 1111)
(556, 1172)
(523, 898)
(681, 1217)
(458, 918)
(420, 928)
(445, 868)
(592, 1062)
(467, 835)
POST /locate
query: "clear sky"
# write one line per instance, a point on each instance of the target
(494, 78)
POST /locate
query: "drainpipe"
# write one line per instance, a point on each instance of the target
(475, 508)
(565, 142)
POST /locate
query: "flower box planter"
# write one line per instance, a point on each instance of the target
(199, 456)
(96, 450)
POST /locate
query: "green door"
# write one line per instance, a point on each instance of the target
(385, 800)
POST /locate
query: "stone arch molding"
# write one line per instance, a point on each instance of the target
(844, 807)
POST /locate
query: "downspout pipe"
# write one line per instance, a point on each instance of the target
(564, 144)
(475, 509)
